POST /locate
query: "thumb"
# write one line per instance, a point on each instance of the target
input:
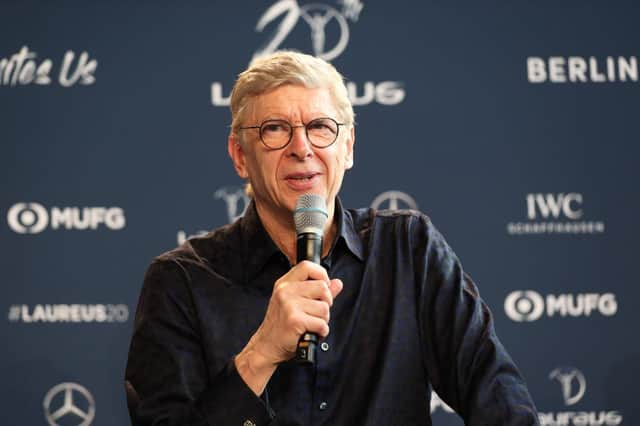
(335, 286)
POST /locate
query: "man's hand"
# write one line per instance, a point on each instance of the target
(300, 302)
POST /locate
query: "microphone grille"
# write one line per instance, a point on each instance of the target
(310, 214)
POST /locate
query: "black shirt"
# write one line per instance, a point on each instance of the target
(407, 320)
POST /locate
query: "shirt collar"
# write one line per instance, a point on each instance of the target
(258, 247)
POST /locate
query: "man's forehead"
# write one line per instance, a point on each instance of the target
(294, 102)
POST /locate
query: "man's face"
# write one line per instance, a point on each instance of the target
(279, 177)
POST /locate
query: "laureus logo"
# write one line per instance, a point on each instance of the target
(573, 386)
(329, 34)
(236, 202)
(319, 17)
(572, 382)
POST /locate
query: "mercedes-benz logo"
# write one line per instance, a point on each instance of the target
(317, 16)
(572, 382)
(71, 402)
(394, 200)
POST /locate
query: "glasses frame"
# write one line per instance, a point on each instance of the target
(291, 128)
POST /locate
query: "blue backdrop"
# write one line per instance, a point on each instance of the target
(509, 123)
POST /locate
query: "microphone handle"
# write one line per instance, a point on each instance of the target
(308, 247)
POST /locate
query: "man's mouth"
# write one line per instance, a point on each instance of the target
(302, 176)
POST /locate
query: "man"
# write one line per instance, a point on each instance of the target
(219, 318)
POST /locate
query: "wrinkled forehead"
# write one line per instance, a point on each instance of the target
(291, 102)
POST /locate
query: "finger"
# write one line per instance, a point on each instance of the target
(318, 290)
(307, 270)
(335, 286)
(316, 325)
(316, 308)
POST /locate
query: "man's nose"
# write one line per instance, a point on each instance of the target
(300, 146)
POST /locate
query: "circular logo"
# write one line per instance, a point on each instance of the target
(573, 383)
(27, 218)
(394, 200)
(524, 305)
(70, 404)
(318, 16)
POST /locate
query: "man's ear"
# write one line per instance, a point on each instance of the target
(351, 140)
(236, 152)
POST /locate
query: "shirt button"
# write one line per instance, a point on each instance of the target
(323, 405)
(324, 346)
(248, 423)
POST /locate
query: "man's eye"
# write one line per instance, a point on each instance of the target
(274, 127)
(321, 126)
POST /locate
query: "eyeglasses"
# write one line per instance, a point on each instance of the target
(276, 134)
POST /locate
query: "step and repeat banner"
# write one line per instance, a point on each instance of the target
(513, 125)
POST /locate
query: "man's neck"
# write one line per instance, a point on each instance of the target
(282, 231)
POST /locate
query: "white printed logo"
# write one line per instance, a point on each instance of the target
(236, 200)
(69, 402)
(23, 69)
(65, 313)
(573, 386)
(318, 17)
(559, 213)
(28, 218)
(394, 200)
(577, 69)
(529, 305)
(32, 218)
(329, 38)
(524, 306)
(572, 382)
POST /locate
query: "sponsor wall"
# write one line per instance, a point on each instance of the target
(513, 125)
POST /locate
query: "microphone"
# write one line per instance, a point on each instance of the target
(310, 216)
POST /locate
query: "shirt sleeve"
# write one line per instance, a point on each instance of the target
(467, 365)
(167, 368)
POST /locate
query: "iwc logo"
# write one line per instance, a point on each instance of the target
(560, 213)
(394, 200)
(69, 404)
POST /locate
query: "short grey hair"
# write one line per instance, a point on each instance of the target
(288, 67)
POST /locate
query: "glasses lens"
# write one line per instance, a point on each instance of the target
(322, 132)
(275, 133)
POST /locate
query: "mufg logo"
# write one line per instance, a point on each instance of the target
(572, 385)
(559, 213)
(33, 218)
(529, 305)
(328, 29)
